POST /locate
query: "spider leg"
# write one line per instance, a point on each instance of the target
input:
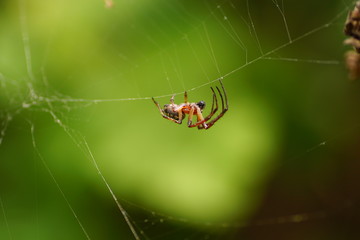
(213, 111)
(200, 118)
(225, 95)
(191, 114)
(185, 97)
(224, 106)
(167, 117)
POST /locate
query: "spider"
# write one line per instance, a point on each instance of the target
(177, 112)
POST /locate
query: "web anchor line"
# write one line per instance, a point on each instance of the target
(87, 152)
(262, 57)
(32, 129)
(121, 208)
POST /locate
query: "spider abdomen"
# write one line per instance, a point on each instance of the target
(168, 110)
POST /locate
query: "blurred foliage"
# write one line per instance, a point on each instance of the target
(69, 71)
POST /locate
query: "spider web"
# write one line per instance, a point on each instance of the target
(83, 149)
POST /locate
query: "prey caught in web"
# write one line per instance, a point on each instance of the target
(352, 29)
(177, 112)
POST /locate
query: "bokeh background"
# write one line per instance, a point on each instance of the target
(76, 80)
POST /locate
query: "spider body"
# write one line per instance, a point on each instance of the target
(170, 111)
(177, 112)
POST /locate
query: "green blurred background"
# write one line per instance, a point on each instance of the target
(76, 78)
